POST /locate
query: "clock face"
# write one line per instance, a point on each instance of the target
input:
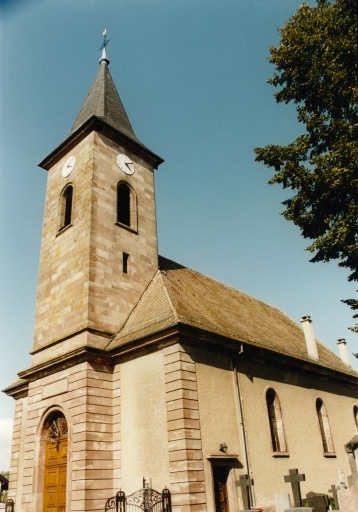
(68, 166)
(125, 164)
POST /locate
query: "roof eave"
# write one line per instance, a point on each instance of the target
(97, 124)
(17, 389)
(180, 332)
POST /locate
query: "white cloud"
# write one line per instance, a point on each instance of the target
(5, 443)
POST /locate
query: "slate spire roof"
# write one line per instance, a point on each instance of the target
(104, 112)
(103, 101)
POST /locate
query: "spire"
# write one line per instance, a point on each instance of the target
(103, 111)
(103, 101)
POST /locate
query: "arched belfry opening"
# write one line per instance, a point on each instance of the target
(55, 437)
(66, 201)
(126, 206)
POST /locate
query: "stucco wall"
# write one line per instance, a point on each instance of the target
(144, 438)
(219, 419)
(297, 393)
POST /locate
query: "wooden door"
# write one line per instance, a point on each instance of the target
(220, 474)
(55, 476)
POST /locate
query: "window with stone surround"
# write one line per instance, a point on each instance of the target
(355, 415)
(126, 206)
(278, 439)
(324, 427)
(66, 207)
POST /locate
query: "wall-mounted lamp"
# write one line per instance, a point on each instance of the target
(223, 447)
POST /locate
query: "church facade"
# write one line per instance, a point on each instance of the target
(144, 368)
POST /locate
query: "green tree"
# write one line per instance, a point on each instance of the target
(316, 68)
(3, 494)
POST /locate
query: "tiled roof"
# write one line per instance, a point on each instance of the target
(178, 294)
(103, 101)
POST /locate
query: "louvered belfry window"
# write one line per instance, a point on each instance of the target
(124, 204)
(66, 207)
(324, 427)
(275, 420)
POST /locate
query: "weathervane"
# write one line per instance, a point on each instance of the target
(105, 41)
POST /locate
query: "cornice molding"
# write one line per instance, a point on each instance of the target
(94, 123)
(186, 335)
(80, 355)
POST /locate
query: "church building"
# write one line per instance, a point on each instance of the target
(144, 368)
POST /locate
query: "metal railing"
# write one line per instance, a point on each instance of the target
(144, 500)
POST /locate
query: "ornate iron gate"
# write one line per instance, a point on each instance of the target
(145, 500)
(9, 505)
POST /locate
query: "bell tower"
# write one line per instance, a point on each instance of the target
(99, 242)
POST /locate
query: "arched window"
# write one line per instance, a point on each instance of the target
(126, 206)
(66, 206)
(55, 467)
(324, 427)
(355, 415)
(275, 419)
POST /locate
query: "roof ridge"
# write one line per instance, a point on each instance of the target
(167, 294)
(137, 321)
(133, 310)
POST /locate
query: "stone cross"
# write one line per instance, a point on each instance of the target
(294, 479)
(245, 483)
(333, 490)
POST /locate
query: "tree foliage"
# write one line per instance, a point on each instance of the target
(3, 494)
(316, 68)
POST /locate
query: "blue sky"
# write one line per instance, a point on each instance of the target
(192, 76)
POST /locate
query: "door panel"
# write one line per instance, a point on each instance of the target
(220, 474)
(55, 476)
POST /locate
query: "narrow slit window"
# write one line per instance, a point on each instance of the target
(324, 427)
(125, 263)
(66, 207)
(275, 420)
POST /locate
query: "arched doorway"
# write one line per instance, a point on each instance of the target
(54, 497)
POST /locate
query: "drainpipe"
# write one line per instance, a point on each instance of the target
(242, 423)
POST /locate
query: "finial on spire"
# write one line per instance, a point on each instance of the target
(103, 48)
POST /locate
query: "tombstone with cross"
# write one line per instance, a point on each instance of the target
(245, 483)
(294, 478)
(333, 491)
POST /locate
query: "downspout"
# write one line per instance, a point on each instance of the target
(242, 424)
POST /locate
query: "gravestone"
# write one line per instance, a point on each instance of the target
(294, 479)
(245, 483)
(351, 449)
(333, 491)
(282, 502)
(319, 502)
(348, 498)
(341, 479)
(299, 509)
